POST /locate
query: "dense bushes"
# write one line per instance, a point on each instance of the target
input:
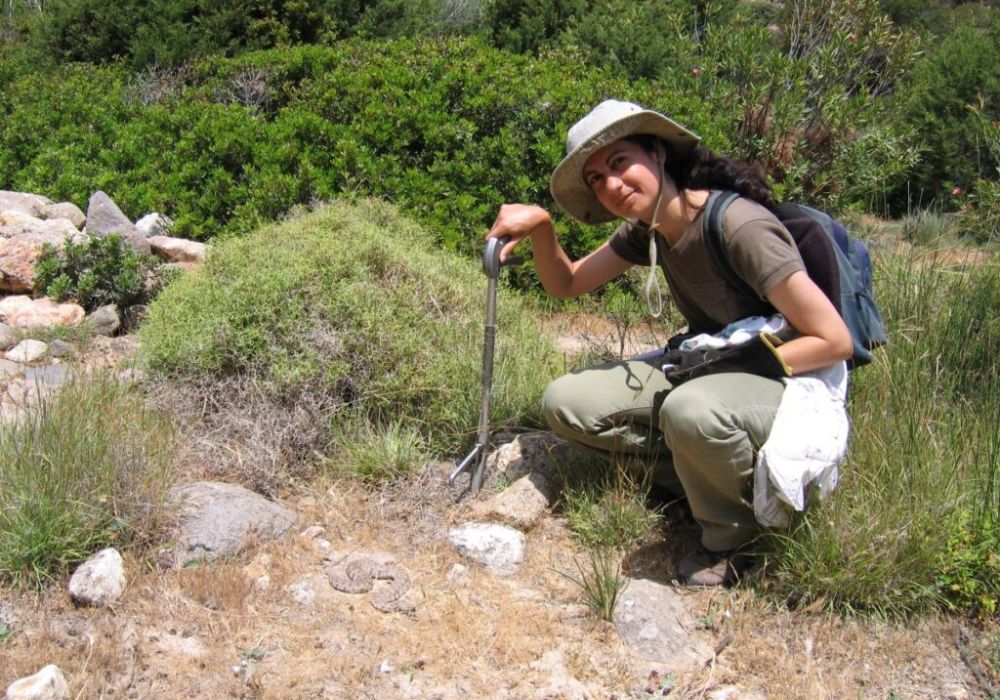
(450, 129)
(351, 304)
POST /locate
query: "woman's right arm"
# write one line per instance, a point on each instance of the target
(561, 277)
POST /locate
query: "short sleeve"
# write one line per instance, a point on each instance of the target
(631, 242)
(762, 252)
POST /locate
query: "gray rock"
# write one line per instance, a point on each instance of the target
(104, 320)
(61, 349)
(522, 503)
(217, 520)
(64, 210)
(105, 218)
(47, 684)
(8, 337)
(100, 580)
(27, 351)
(154, 224)
(654, 620)
(48, 376)
(497, 547)
(30, 204)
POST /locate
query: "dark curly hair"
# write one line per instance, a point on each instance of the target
(701, 169)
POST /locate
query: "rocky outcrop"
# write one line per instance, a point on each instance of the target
(105, 218)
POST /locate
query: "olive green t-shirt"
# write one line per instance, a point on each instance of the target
(760, 249)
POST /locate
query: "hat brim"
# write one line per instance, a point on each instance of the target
(567, 185)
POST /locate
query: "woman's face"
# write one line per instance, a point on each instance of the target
(625, 179)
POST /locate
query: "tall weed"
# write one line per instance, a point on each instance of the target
(924, 465)
(81, 471)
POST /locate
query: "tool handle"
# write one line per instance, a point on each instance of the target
(491, 257)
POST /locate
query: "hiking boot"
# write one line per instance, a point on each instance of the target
(703, 567)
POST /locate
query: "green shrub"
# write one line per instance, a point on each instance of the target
(85, 469)
(382, 454)
(354, 304)
(94, 271)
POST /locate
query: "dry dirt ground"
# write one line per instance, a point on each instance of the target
(269, 625)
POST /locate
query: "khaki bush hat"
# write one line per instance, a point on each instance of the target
(606, 123)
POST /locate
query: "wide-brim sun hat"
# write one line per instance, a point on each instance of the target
(607, 122)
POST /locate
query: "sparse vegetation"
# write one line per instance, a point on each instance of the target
(83, 470)
(601, 579)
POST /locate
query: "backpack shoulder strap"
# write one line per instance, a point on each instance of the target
(715, 210)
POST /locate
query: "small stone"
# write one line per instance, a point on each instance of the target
(100, 580)
(28, 351)
(500, 549)
(61, 349)
(301, 592)
(132, 376)
(104, 320)
(522, 503)
(47, 684)
(105, 218)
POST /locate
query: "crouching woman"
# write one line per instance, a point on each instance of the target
(629, 163)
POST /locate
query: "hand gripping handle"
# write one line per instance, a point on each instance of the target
(491, 257)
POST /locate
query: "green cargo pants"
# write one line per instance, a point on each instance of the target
(701, 436)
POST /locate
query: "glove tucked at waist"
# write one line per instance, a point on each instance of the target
(756, 356)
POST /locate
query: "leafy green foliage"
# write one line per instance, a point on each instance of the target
(352, 304)
(970, 565)
(94, 271)
(84, 470)
(948, 93)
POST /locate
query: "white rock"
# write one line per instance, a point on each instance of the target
(15, 224)
(177, 249)
(497, 547)
(100, 580)
(27, 351)
(47, 684)
(154, 224)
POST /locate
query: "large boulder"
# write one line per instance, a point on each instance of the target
(154, 224)
(26, 203)
(23, 312)
(105, 218)
(15, 224)
(17, 260)
(64, 210)
(217, 520)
